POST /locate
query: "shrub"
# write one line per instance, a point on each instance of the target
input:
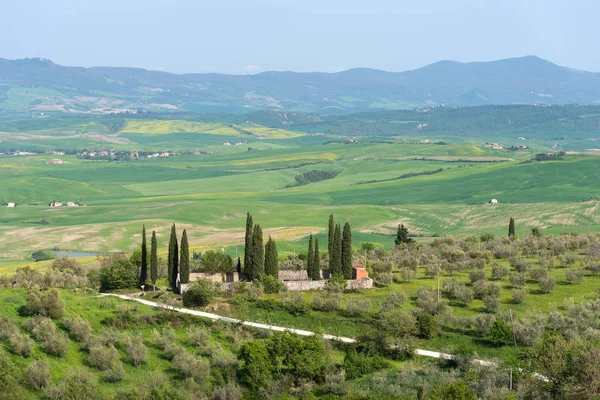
(517, 279)
(103, 357)
(477, 275)
(231, 391)
(198, 335)
(117, 272)
(46, 303)
(192, 367)
(393, 300)
(384, 279)
(426, 326)
(529, 330)
(115, 373)
(487, 237)
(575, 275)
(492, 303)
(68, 265)
(520, 264)
(44, 330)
(78, 384)
(294, 303)
(172, 350)
(270, 284)
(38, 374)
(484, 288)
(483, 324)
(519, 294)
(327, 301)
(357, 307)
(408, 274)
(398, 323)
(163, 338)
(199, 294)
(499, 272)
(538, 273)
(136, 350)
(464, 295)
(428, 301)
(547, 284)
(500, 333)
(432, 269)
(21, 344)
(79, 328)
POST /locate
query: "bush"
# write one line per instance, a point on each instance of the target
(357, 307)
(294, 303)
(426, 326)
(477, 275)
(192, 367)
(517, 279)
(398, 323)
(79, 384)
(483, 324)
(115, 373)
(428, 302)
(575, 275)
(136, 350)
(327, 301)
(199, 294)
(538, 273)
(519, 294)
(117, 272)
(103, 357)
(384, 279)
(547, 284)
(198, 335)
(231, 391)
(492, 303)
(464, 295)
(270, 284)
(500, 333)
(520, 264)
(44, 330)
(46, 303)
(79, 328)
(21, 344)
(529, 330)
(499, 272)
(38, 374)
(393, 300)
(43, 255)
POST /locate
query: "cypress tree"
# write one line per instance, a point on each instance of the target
(271, 259)
(173, 258)
(511, 228)
(144, 269)
(238, 266)
(248, 244)
(336, 256)
(153, 260)
(184, 263)
(315, 273)
(257, 254)
(170, 259)
(347, 252)
(402, 235)
(310, 255)
(330, 242)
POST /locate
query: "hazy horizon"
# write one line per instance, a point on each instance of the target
(235, 37)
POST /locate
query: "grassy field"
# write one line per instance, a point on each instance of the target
(378, 186)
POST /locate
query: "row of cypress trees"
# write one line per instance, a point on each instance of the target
(259, 260)
(178, 260)
(340, 249)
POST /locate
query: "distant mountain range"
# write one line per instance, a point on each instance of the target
(40, 85)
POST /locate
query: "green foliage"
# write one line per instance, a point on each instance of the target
(215, 262)
(42, 255)
(256, 365)
(76, 385)
(173, 259)
(358, 364)
(117, 272)
(199, 293)
(426, 326)
(248, 244)
(271, 259)
(257, 258)
(270, 284)
(500, 333)
(458, 390)
(144, 256)
(153, 259)
(402, 236)
(511, 228)
(313, 176)
(38, 374)
(330, 239)
(336, 255)
(10, 384)
(347, 252)
(184, 264)
(314, 270)
(310, 256)
(46, 303)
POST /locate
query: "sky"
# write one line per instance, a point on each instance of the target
(250, 36)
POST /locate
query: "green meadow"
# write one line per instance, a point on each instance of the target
(434, 189)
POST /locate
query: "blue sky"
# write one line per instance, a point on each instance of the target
(248, 36)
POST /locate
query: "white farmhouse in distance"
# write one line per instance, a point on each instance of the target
(12, 204)
(493, 201)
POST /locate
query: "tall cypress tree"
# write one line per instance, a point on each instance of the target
(336, 269)
(347, 252)
(310, 256)
(315, 273)
(257, 254)
(330, 242)
(511, 228)
(173, 258)
(153, 260)
(144, 269)
(184, 263)
(271, 259)
(248, 244)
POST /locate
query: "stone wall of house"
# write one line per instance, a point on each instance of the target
(359, 284)
(304, 285)
(217, 278)
(293, 275)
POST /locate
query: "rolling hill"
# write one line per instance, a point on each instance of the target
(41, 85)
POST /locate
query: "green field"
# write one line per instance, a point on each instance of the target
(210, 193)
